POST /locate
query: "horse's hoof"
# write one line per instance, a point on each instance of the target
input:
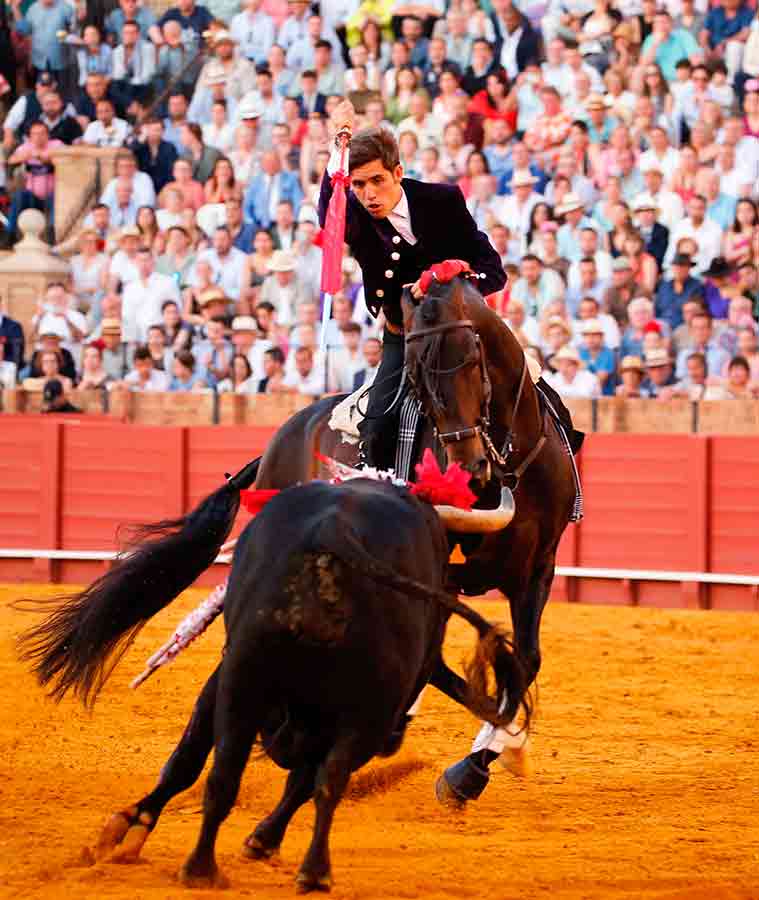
(254, 849)
(305, 883)
(128, 850)
(203, 881)
(445, 795)
(516, 760)
(463, 781)
(114, 831)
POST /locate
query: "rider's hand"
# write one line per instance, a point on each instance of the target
(343, 117)
(416, 291)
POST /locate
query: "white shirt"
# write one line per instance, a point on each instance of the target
(514, 216)
(671, 209)
(158, 381)
(584, 384)
(603, 268)
(113, 136)
(312, 385)
(143, 192)
(667, 163)
(708, 237)
(733, 182)
(509, 52)
(141, 305)
(399, 217)
(227, 272)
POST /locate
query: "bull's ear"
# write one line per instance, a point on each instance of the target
(408, 306)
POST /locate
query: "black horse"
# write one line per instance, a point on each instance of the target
(469, 373)
(335, 617)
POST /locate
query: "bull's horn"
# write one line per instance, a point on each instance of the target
(478, 521)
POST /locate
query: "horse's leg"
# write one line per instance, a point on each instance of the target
(264, 841)
(332, 778)
(125, 833)
(239, 712)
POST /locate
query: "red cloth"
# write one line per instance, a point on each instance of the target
(443, 272)
(333, 235)
(450, 488)
(254, 501)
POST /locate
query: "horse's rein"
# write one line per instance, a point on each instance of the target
(482, 427)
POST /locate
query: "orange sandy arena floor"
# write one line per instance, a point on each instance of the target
(645, 781)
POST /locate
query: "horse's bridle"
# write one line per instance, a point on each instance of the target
(481, 428)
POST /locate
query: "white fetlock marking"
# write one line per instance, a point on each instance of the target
(499, 739)
(416, 705)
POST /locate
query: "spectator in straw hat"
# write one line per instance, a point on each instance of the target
(116, 355)
(557, 334)
(600, 123)
(282, 287)
(660, 377)
(248, 342)
(570, 379)
(596, 356)
(631, 376)
(655, 236)
(515, 209)
(572, 210)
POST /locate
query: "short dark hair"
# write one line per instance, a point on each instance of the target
(531, 257)
(264, 304)
(142, 352)
(699, 357)
(185, 358)
(350, 328)
(740, 362)
(323, 44)
(276, 354)
(374, 143)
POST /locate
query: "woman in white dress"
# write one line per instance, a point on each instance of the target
(88, 272)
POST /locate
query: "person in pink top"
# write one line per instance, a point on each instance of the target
(39, 175)
(191, 190)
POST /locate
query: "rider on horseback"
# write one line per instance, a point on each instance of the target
(397, 228)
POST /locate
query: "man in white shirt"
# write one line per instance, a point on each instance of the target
(143, 191)
(248, 343)
(705, 232)
(556, 72)
(515, 209)
(305, 378)
(661, 154)
(144, 376)
(254, 32)
(735, 181)
(668, 203)
(107, 130)
(589, 249)
(571, 380)
(226, 261)
(143, 298)
(427, 128)
(537, 285)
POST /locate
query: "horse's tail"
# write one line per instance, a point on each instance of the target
(78, 645)
(494, 652)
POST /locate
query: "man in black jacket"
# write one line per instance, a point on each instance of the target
(154, 155)
(396, 228)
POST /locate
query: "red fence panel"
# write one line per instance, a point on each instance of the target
(734, 502)
(115, 474)
(29, 457)
(643, 504)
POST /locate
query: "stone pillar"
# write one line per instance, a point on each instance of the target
(28, 270)
(76, 183)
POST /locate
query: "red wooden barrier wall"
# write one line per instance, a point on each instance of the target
(660, 502)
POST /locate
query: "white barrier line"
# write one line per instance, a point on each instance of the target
(565, 571)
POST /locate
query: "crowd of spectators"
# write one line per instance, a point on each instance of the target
(610, 150)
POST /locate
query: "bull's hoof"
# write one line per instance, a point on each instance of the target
(461, 782)
(305, 883)
(254, 849)
(192, 876)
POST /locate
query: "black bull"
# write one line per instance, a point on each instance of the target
(335, 617)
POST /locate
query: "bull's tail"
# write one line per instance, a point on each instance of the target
(78, 645)
(494, 659)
